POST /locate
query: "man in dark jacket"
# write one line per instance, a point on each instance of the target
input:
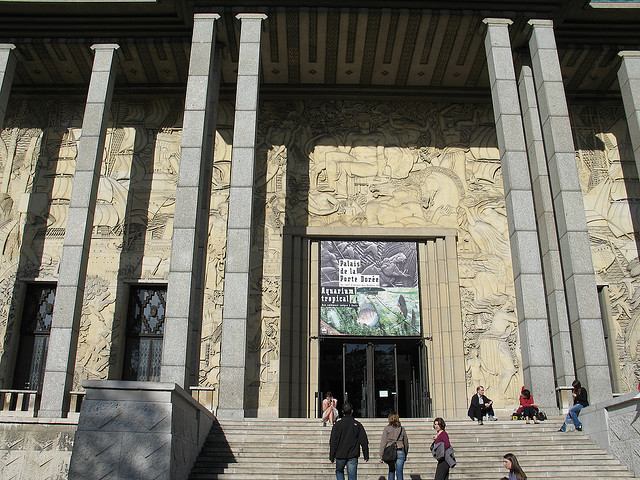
(347, 436)
(481, 406)
(580, 400)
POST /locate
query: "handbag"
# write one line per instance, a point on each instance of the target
(450, 457)
(390, 452)
(437, 450)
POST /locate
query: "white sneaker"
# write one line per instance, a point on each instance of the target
(492, 418)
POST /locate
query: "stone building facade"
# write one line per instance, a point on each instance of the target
(170, 172)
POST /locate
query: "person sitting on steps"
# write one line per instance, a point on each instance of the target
(329, 410)
(528, 408)
(481, 406)
(580, 400)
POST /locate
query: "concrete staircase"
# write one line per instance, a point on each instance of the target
(292, 449)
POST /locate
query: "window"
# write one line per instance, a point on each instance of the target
(34, 336)
(145, 328)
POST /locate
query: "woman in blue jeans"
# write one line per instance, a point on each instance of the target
(394, 432)
(580, 400)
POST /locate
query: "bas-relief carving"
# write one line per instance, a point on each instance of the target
(41, 451)
(132, 227)
(392, 164)
(216, 252)
(95, 333)
(131, 237)
(439, 168)
(611, 191)
(34, 164)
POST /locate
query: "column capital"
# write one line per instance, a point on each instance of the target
(629, 53)
(497, 21)
(7, 46)
(105, 46)
(251, 16)
(535, 22)
(206, 16)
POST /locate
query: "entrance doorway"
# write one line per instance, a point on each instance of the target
(377, 376)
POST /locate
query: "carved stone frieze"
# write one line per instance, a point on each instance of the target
(393, 164)
(319, 164)
(131, 237)
(216, 254)
(35, 451)
(611, 191)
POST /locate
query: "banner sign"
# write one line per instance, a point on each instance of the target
(369, 288)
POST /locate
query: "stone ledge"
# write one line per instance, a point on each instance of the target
(38, 420)
(618, 401)
(131, 428)
(610, 424)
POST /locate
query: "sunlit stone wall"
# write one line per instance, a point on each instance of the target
(611, 190)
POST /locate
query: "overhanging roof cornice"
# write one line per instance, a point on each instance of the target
(421, 45)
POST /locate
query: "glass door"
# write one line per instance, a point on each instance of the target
(370, 380)
(385, 373)
(355, 375)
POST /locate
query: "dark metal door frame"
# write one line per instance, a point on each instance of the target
(423, 381)
(370, 398)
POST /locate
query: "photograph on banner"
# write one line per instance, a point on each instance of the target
(369, 288)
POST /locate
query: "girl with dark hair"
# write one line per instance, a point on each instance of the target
(580, 400)
(510, 462)
(528, 407)
(441, 450)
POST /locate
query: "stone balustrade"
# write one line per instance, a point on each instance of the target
(18, 403)
(75, 403)
(205, 396)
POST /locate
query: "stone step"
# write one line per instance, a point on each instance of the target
(426, 465)
(287, 449)
(408, 473)
(486, 427)
(501, 426)
(458, 444)
(528, 459)
(323, 452)
(314, 436)
(364, 421)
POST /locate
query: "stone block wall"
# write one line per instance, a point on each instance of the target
(35, 448)
(141, 430)
(615, 425)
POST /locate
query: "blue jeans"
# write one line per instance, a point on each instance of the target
(352, 468)
(573, 415)
(398, 475)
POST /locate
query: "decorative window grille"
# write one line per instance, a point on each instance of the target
(145, 328)
(34, 338)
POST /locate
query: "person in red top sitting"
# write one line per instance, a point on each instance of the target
(528, 407)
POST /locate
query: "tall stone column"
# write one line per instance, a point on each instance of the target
(7, 69)
(629, 80)
(185, 290)
(63, 340)
(236, 271)
(575, 247)
(525, 252)
(549, 249)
